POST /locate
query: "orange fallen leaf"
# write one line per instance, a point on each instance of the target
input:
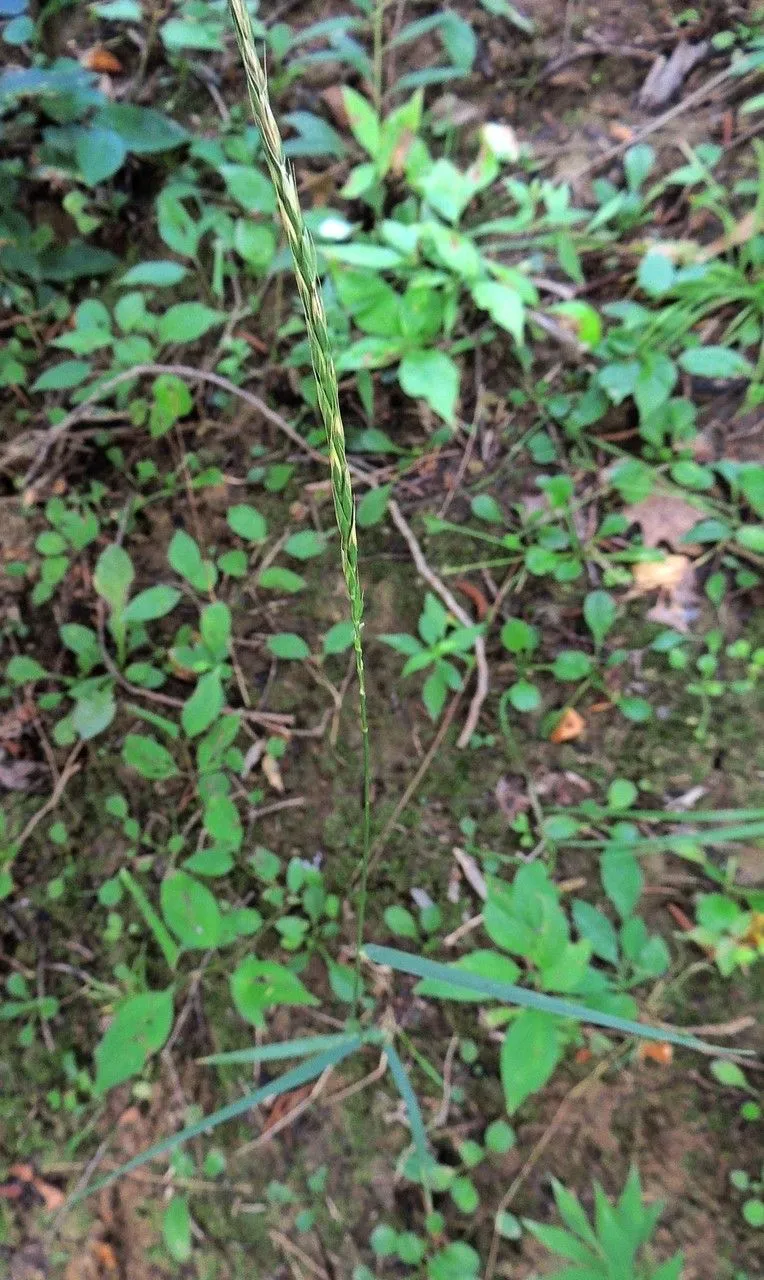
(101, 60)
(105, 1255)
(569, 726)
(660, 575)
(754, 934)
(655, 1051)
(620, 132)
(475, 595)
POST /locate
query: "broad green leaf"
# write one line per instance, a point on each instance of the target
(729, 1073)
(621, 794)
(215, 628)
(191, 911)
(519, 636)
(715, 362)
(571, 664)
(172, 401)
(529, 1054)
(62, 376)
(249, 187)
(139, 1028)
(372, 257)
(176, 1229)
(434, 694)
(221, 820)
(524, 696)
(503, 305)
(277, 578)
(305, 544)
(401, 922)
(258, 985)
(286, 644)
(186, 322)
(24, 670)
(363, 120)
(599, 614)
(143, 130)
(179, 34)
(594, 926)
(161, 273)
(100, 153)
(656, 273)
(433, 376)
(148, 757)
(247, 523)
(457, 1261)
(622, 879)
(205, 704)
(255, 243)
(184, 556)
(751, 481)
(94, 713)
(154, 602)
(338, 638)
(113, 575)
(485, 507)
(373, 505)
(176, 226)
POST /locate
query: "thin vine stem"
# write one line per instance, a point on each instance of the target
(325, 374)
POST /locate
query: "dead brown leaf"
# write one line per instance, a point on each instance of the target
(674, 578)
(664, 518)
(512, 796)
(334, 99)
(22, 775)
(569, 726)
(270, 767)
(655, 1051)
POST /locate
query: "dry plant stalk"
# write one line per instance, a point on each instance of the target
(309, 289)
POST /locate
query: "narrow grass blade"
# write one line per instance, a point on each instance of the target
(301, 1048)
(166, 943)
(404, 962)
(303, 1074)
(720, 835)
(690, 817)
(416, 1122)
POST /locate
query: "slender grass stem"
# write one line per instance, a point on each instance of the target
(309, 290)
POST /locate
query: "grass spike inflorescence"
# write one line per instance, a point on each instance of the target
(309, 289)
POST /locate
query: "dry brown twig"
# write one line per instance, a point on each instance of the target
(45, 441)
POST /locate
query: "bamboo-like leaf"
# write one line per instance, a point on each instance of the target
(404, 962)
(301, 1048)
(416, 1123)
(293, 1079)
